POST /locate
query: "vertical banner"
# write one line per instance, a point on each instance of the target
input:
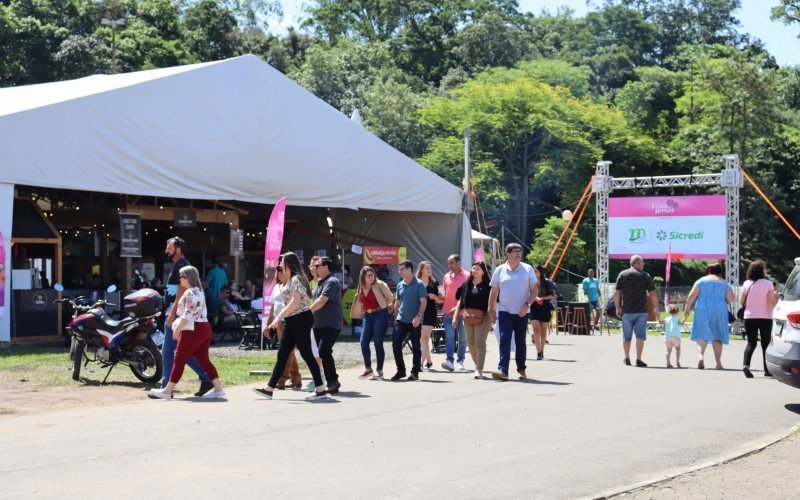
(6, 218)
(666, 278)
(272, 254)
(130, 235)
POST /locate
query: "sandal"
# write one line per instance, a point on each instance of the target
(701, 365)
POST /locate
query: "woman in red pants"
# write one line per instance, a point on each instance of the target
(193, 333)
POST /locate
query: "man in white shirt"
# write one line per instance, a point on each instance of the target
(515, 283)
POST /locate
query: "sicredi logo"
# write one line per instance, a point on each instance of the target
(662, 235)
(637, 235)
(664, 207)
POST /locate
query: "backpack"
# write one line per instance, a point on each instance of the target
(611, 309)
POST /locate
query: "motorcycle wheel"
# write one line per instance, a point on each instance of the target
(146, 362)
(77, 359)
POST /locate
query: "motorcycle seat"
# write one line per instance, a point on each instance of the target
(114, 325)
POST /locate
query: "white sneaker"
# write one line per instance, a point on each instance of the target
(447, 365)
(159, 394)
(317, 396)
(214, 395)
(476, 375)
(460, 366)
(377, 376)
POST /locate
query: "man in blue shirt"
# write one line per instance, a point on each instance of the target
(174, 252)
(410, 301)
(515, 284)
(591, 287)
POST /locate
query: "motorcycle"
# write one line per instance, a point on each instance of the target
(133, 340)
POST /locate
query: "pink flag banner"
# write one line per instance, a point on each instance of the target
(2, 275)
(272, 255)
(666, 278)
(480, 255)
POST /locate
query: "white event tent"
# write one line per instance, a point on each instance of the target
(229, 130)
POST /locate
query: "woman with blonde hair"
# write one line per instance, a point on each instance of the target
(193, 333)
(373, 303)
(425, 274)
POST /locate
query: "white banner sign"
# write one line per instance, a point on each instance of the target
(694, 226)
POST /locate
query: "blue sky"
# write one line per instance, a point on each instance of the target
(780, 40)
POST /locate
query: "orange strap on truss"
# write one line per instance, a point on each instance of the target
(584, 197)
(569, 241)
(773, 207)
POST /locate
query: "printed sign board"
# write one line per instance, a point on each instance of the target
(693, 226)
(130, 235)
(383, 255)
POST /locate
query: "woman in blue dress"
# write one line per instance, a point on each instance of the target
(710, 295)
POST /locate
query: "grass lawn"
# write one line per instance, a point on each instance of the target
(51, 366)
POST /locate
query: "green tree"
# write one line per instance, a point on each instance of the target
(525, 132)
(649, 101)
(210, 31)
(545, 238)
(787, 11)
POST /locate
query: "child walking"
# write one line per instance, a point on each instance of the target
(672, 336)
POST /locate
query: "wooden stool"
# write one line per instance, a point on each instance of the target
(561, 320)
(578, 321)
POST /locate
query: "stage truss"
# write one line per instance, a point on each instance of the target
(730, 179)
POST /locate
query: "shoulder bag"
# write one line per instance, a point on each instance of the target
(740, 311)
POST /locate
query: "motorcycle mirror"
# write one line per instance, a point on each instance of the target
(111, 289)
(58, 287)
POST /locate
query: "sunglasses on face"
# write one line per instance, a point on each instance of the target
(279, 269)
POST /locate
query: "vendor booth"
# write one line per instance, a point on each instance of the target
(236, 132)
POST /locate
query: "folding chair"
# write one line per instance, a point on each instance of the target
(250, 328)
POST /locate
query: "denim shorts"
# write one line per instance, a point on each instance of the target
(634, 323)
(595, 304)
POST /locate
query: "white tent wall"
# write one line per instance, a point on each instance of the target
(427, 236)
(6, 219)
(230, 130)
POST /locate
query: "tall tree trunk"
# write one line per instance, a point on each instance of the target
(524, 197)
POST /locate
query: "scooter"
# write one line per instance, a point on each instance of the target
(133, 340)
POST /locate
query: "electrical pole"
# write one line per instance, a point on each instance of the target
(113, 24)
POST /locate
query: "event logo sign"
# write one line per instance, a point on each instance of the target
(185, 218)
(130, 235)
(384, 255)
(694, 226)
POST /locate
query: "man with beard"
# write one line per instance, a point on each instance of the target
(174, 252)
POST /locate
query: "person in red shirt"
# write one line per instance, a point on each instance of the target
(452, 281)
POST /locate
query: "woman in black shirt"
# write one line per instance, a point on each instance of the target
(473, 302)
(429, 320)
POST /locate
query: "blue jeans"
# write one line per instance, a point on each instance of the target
(374, 328)
(512, 326)
(450, 338)
(634, 323)
(168, 359)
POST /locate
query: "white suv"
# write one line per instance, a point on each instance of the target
(783, 353)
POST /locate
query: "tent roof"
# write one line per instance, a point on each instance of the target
(229, 130)
(477, 235)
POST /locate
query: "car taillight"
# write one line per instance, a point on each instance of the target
(795, 370)
(794, 319)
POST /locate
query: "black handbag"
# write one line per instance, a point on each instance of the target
(740, 311)
(731, 317)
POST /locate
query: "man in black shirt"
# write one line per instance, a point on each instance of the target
(328, 318)
(173, 293)
(634, 289)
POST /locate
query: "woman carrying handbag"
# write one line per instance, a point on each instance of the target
(373, 303)
(758, 300)
(473, 305)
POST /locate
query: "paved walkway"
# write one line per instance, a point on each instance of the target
(586, 426)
